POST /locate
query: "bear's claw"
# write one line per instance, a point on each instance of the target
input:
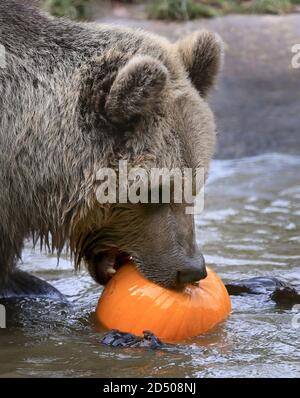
(115, 338)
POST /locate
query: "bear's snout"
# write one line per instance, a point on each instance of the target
(192, 273)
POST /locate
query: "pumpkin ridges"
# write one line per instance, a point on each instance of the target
(133, 304)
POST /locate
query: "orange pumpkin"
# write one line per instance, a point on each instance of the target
(131, 303)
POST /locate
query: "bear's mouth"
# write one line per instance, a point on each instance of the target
(105, 265)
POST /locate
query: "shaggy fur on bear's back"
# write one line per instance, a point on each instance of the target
(75, 97)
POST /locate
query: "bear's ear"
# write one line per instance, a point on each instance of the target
(136, 89)
(202, 55)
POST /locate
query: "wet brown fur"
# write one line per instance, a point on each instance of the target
(75, 97)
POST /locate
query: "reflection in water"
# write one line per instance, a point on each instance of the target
(250, 227)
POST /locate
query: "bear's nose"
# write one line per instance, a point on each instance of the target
(192, 274)
(194, 271)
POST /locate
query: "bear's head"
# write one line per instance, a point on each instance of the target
(148, 106)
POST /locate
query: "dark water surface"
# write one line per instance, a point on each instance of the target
(250, 227)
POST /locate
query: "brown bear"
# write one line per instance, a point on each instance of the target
(77, 97)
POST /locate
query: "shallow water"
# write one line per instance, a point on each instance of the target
(250, 227)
